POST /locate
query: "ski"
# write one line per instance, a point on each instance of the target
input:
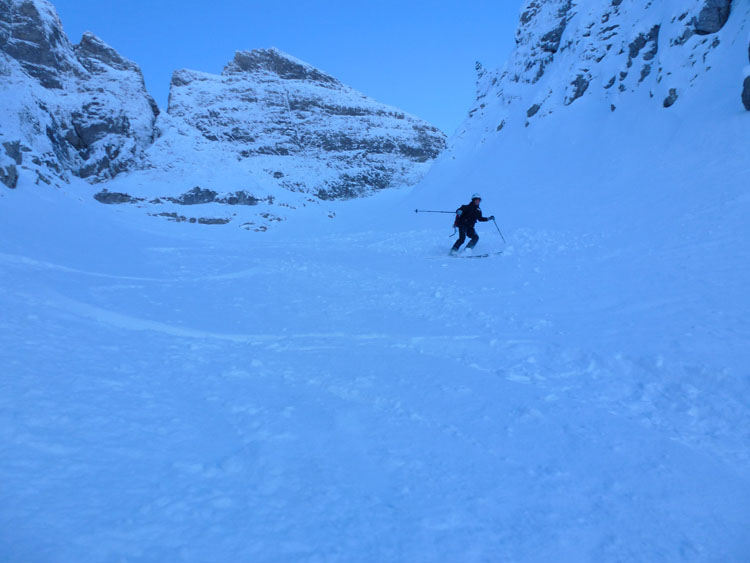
(487, 255)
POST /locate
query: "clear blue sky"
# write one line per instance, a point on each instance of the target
(418, 56)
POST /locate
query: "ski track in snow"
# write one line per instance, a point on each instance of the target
(348, 399)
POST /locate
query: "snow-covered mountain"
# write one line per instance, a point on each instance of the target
(271, 130)
(65, 109)
(624, 52)
(302, 127)
(271, 135)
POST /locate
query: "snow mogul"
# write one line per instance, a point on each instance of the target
(466, 217)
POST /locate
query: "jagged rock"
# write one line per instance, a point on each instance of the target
(533, 110)
(82, 109)
(712, 16)
(543, 25)
(641, 41)
(276, 63)
(746, 93)
(34, 37)
(9, 175)
(275, 112)
(671, 98)
(580, 85)
(212, 220)
(199, 220)
(98, 57)
(195, 196)
(239, 198)
(551, 40)
(109, 198)
(13, 150)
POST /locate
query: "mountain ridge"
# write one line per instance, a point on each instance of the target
(281, 128)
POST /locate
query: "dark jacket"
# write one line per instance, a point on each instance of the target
(468, 215)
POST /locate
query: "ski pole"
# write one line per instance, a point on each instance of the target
(498, 230)
(425, 211)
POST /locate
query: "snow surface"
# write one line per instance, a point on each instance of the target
(343, 391)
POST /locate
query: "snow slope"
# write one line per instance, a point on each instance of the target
(341, 390)
(346, 392)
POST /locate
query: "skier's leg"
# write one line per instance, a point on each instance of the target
(473, 236)
(460, 240)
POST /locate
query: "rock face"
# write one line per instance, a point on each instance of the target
(593, 52)
(301, 128)
(712, 17)
(75, 109)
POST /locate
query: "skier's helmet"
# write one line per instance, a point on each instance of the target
(476, 196)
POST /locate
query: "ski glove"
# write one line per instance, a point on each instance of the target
(491, 217)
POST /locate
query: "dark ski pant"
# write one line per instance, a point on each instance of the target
(463, 232)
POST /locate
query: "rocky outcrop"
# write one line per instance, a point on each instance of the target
(712, 17)
(199, 195)
(109, 198)
(31, 33)
(11, 157)
(9, 175)
(671, 98)
(80, 109)
(196, 196)
(278, 64)
(310, 132)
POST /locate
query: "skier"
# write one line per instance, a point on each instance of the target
(466, 217)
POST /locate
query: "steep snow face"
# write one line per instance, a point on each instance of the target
(302, 128)
(610, 53)
(66, 109)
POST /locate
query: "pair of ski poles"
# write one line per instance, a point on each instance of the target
(453, 213)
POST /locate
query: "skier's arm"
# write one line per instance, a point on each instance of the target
(481, 218)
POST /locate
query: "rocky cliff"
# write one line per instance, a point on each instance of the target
(65, 109)
(612, 53)
(302, 128)
(268, 136)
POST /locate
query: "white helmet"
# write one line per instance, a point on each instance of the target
(476, 196)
